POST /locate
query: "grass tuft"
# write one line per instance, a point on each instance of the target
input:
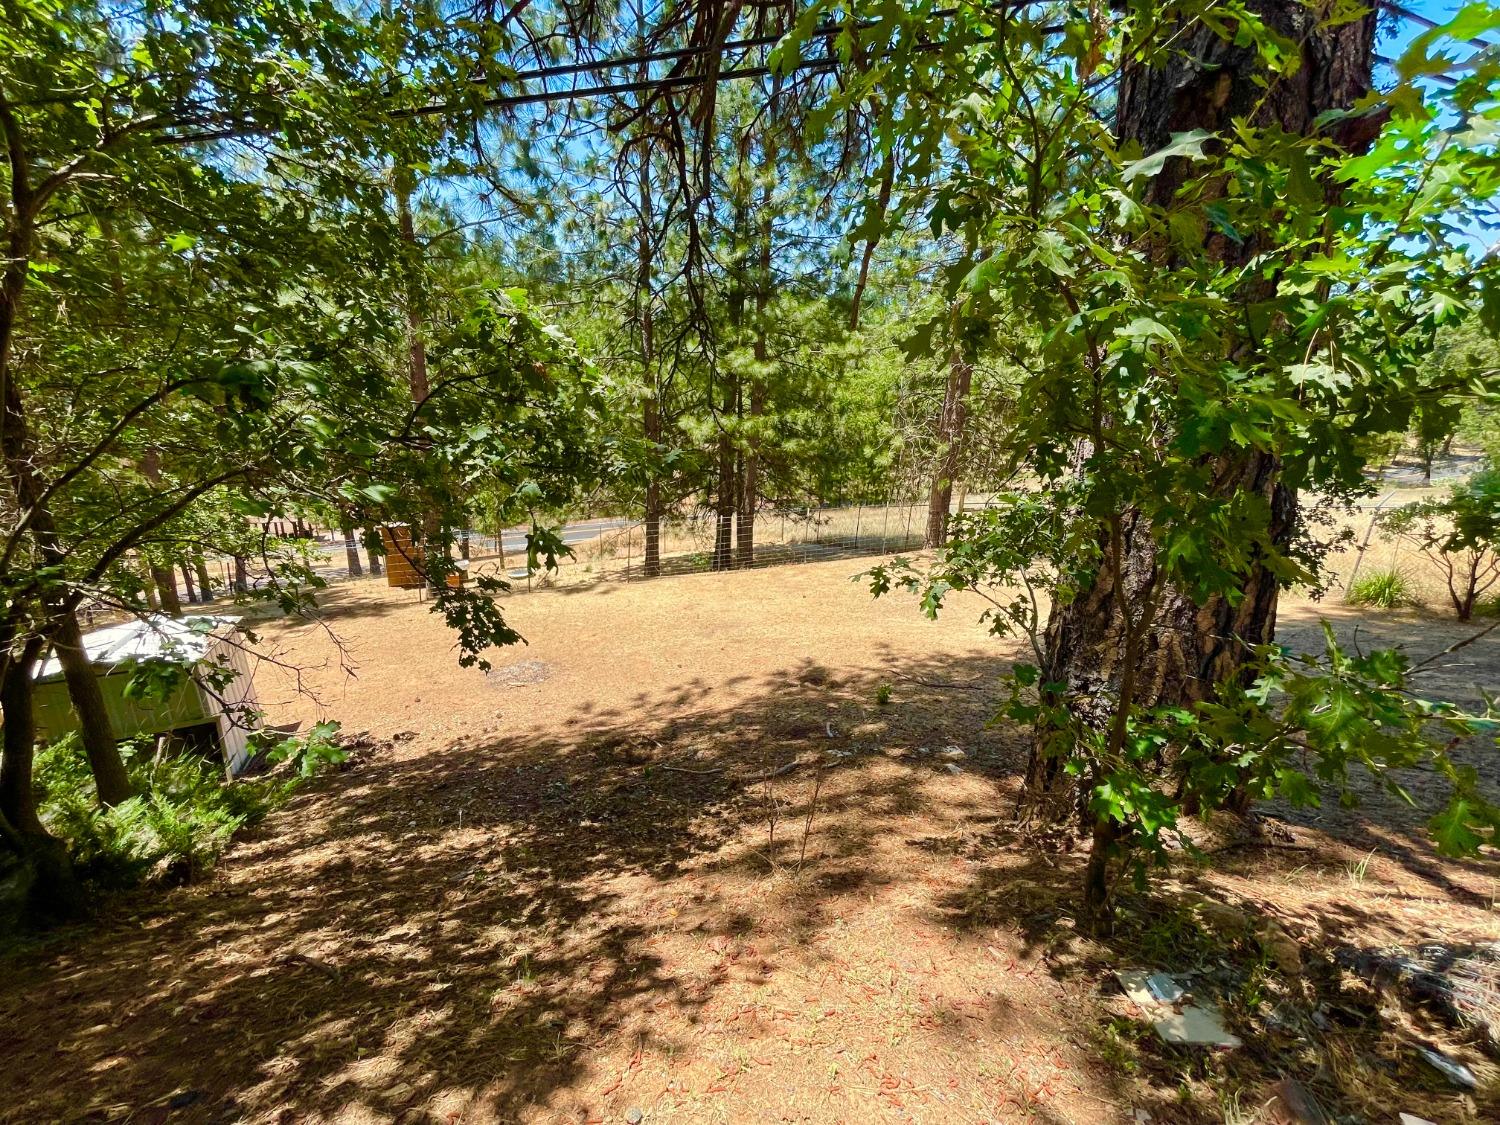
(1385, 589)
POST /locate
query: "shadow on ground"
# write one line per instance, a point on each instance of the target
(454, 935)
(463, 924)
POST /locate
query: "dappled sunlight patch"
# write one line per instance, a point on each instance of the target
(579, 909)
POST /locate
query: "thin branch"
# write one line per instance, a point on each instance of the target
(1455, 646)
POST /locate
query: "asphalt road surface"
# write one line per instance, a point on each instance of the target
(514, 539)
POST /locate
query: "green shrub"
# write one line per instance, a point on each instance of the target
(183, 815)
(1460, 534)
(1386, 589)
(310, 753)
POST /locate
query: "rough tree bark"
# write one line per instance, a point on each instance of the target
(417, 364)
(727, 484)
(744, 544)
(94, 725)
(725, 502)
(148, 587)
(744, 531)
(17, 801)
(728, 487)
(1205, 84)
(205, 583)
(166, 589)
(645, 318)
(187, 582)
(652, 563)
(53, 891)
(950, 437)
(30, 494)
(351, 549)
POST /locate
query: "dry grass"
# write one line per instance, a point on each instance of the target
(554, 893)
(686, 544)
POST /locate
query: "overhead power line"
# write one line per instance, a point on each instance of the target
(682, 81)
(669, 81)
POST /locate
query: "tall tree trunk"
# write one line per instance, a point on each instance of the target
(750, 468)
(205, 583)
(54, 893)
(161, 573)
(416, 342)
(87, 696)
(651, 422)
(148, 586)
(29, 493)
(17, 800)
(1206, 83)
(727, 487)
(54, 890)
(950, 437)
(750, 493)
(166, 589)
(725, 502)
(241, 574)
(651, 565)
(372, 543)
(351, 549)
(187, 582)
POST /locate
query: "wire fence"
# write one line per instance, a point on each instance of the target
(614, 549)
(781, 537)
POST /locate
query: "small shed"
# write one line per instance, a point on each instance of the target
(401, 557)
(215, 721)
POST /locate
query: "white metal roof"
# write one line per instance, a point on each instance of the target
(154, 636)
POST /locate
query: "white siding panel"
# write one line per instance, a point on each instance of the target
(233, 737)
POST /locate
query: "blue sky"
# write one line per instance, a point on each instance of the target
(1437, 10)
(1393, 42)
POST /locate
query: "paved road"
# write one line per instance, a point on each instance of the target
(514, 538)
(1406, 472)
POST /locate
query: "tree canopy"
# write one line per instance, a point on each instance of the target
(1149, 274)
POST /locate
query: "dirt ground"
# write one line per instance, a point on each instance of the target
(567, 891)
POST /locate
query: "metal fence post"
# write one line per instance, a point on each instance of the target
(1359, 558)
